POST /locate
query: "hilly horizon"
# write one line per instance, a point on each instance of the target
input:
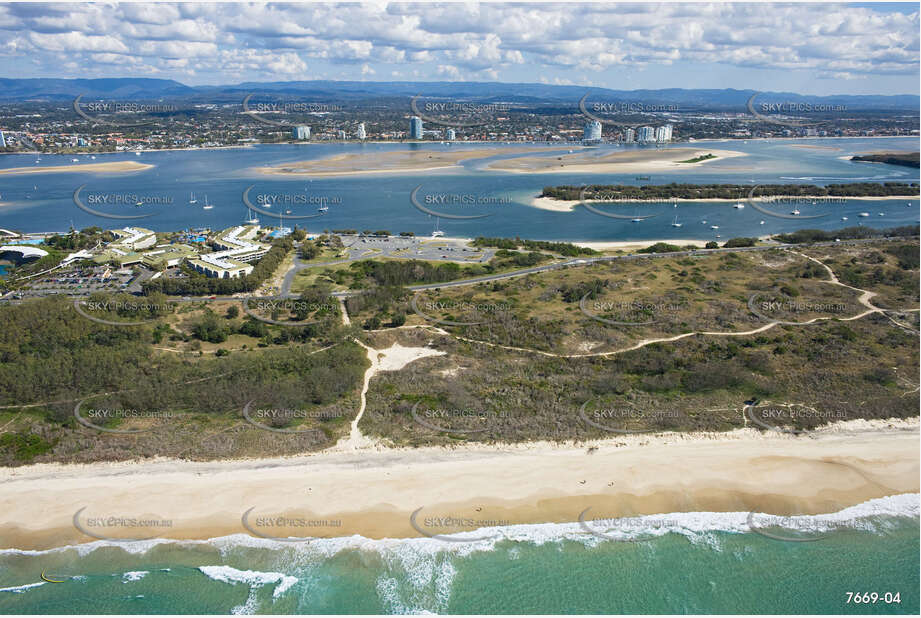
(142, 88)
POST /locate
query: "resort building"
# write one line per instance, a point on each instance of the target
(301, 133)
(133, 239)
(361, 133)
(236, 248)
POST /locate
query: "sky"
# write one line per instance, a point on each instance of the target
(820, 49)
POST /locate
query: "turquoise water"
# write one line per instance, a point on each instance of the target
(706, 563)
(45, 202)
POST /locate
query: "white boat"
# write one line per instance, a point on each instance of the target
(704, 222)
(675, 222)
(714, 227)
(739, 206)
(322, 208)
(137, 153)
(436, 233)
(192, 199)
(718, 236)
(207, 206)
(882, 214)
(139, 203)
(93, 157)
(75, 160)
(794, 211)
(761, 223)
(844, 218)
(251, 219)
(864, 214)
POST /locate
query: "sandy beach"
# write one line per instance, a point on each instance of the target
(618, 162)
(374, 491)
(99, 168)
(555, 205)
(393, 162)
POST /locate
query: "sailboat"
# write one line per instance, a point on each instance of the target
(323, 208)
(251, 219)
(436, 232)
(739, 206)
(192, 199)
(795, 211)
(207, 206)
(675, 222)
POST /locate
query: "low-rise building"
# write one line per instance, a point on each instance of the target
(236, 249)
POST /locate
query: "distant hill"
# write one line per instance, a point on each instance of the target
(155, 89)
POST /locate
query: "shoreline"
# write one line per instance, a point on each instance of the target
(372, 491)
(112, 167)
(557, 205)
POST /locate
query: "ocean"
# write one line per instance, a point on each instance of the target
(698, 563)
(45, 202)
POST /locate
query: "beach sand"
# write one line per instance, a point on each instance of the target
(393, 162)
(99, 168)
(374, 491)
(618, 162)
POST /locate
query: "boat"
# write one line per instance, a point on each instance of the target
(795, 211)
(137, 153)
(675, 222)
(718, 236)
(864, 214)
(714, 227)
(436, 233)
(207, 206)
(739, 206)
(882, 214)
(322, 208)
(139, 203)
(93, 157)
(288, 212)
(844, 218)
(704, 222)
(75, 160)
(251, 219)
(192, 199)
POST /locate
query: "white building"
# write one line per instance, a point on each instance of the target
(646, 134)
(237, 249)
(2, 140)
(664, 134)
(415, 127)
(592, 131)
(301, 133)
(133, 239)
(629, 136)
(361, 133)
(450, 135)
